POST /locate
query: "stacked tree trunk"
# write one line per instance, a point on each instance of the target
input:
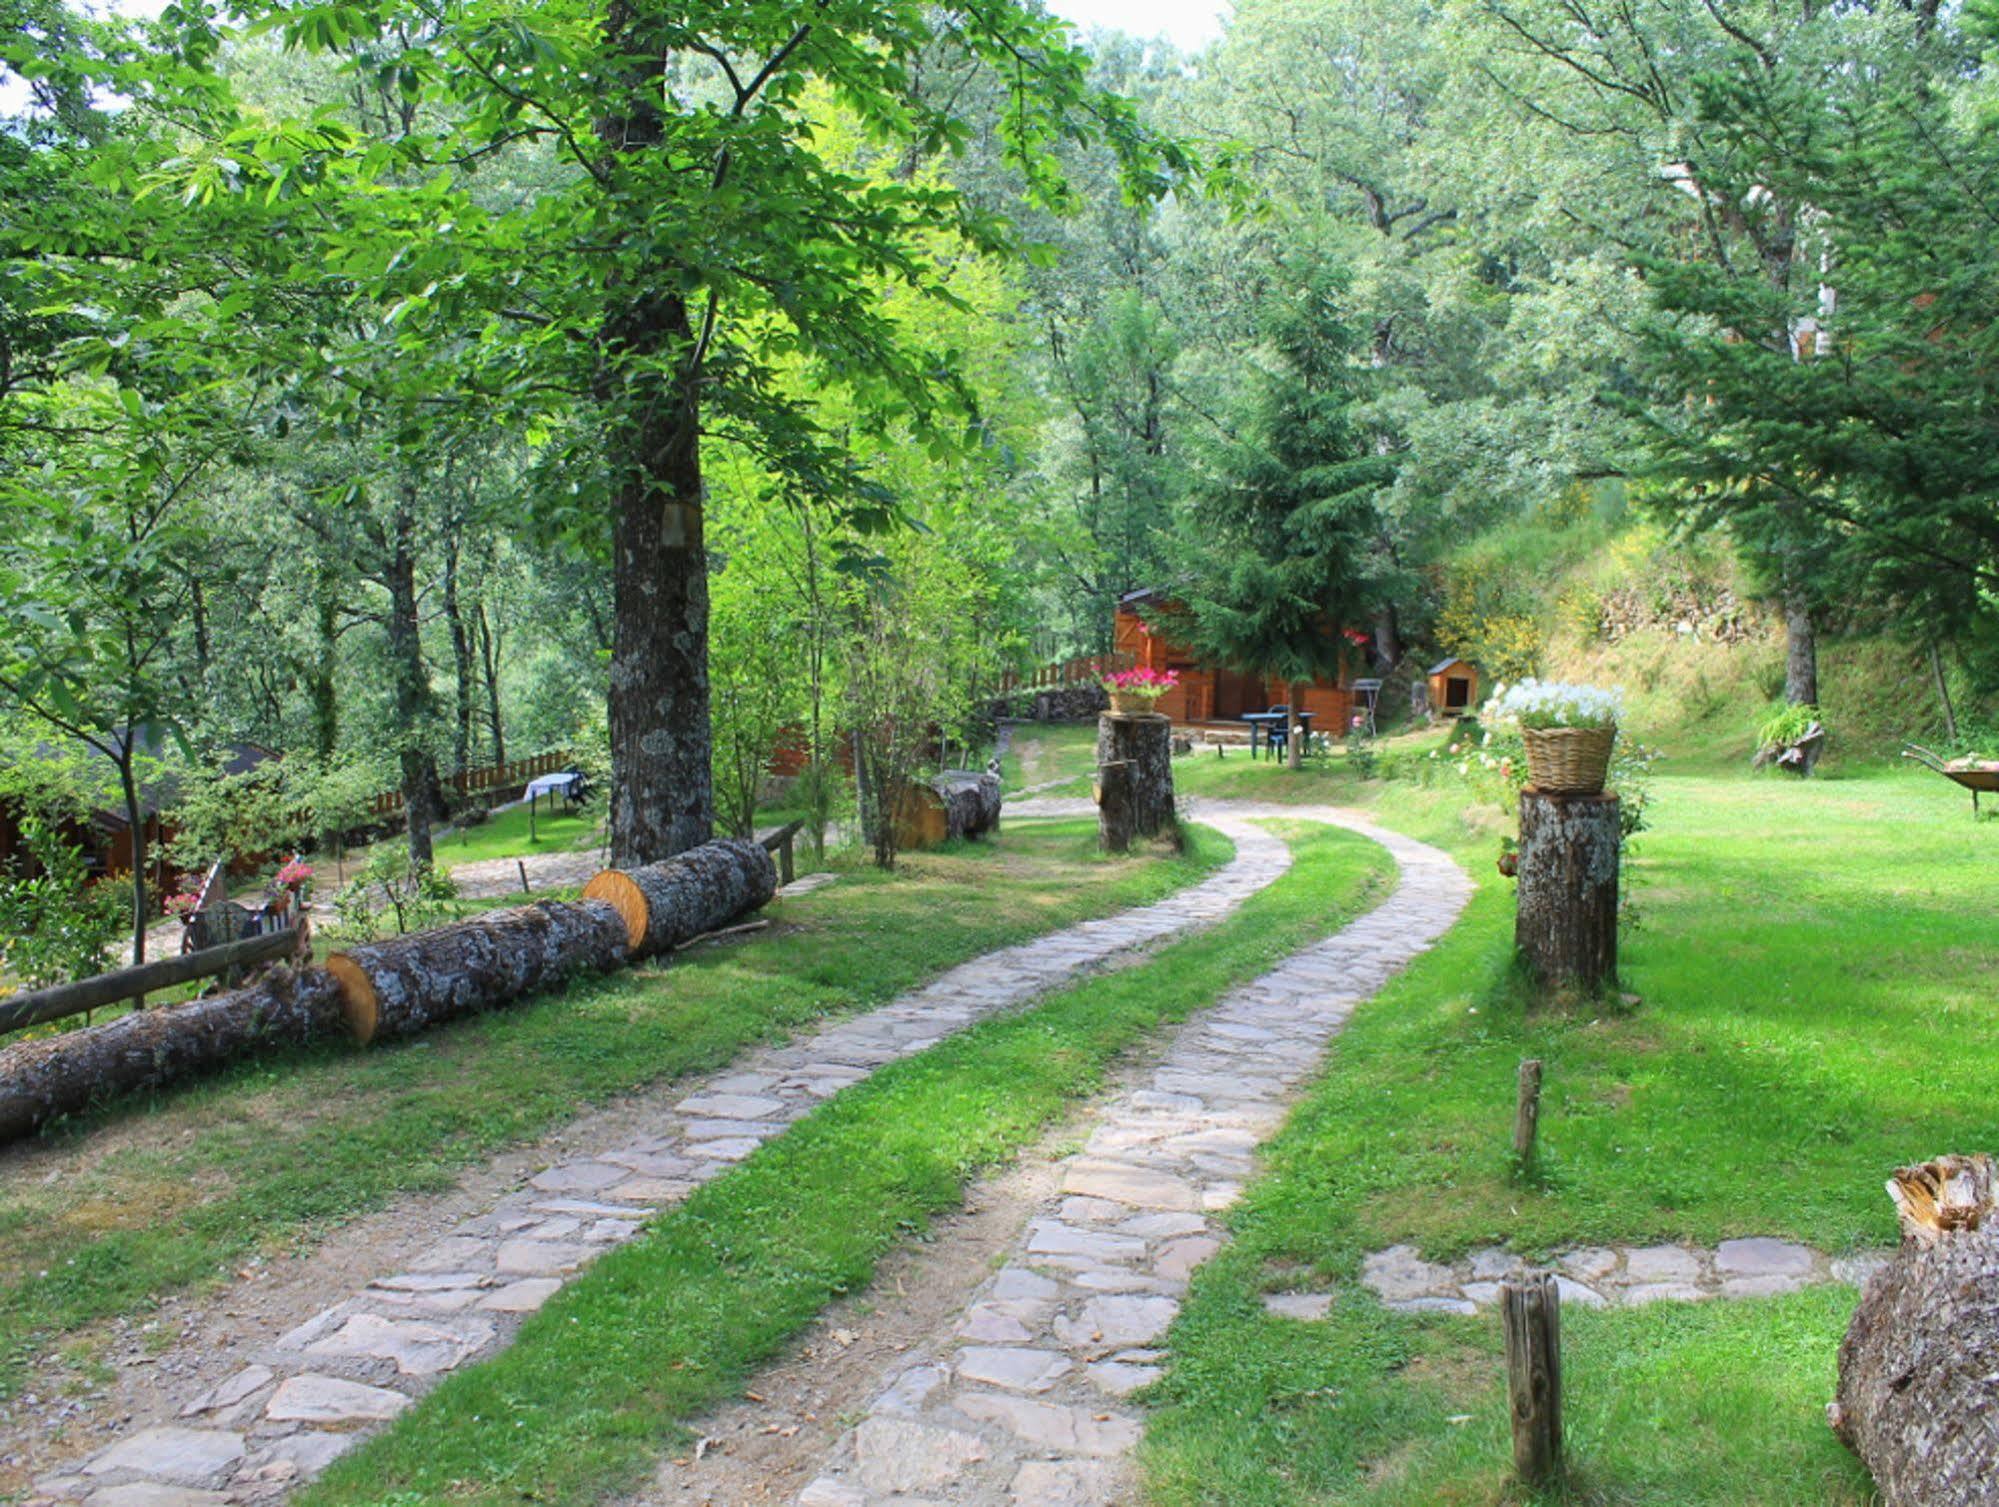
(62, 1075)
(411, 983)
(666, 904)
(1565, 926)
(1134, 787)
(1918, 1393)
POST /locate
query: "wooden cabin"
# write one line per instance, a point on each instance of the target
(1453, 688)
(1210, 693)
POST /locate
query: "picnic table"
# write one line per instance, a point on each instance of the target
(1263, 724)
(563, 783)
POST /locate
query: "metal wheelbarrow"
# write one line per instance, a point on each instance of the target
(1977, 776)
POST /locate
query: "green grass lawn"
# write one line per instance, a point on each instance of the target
(606, 1377)
(555, 830)
(100, 1217)
(1808, 953)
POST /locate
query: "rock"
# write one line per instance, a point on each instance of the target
(1578, 1294)
(1178, 1260)
(1018, 1370)
(713, 1106)
(1760, 1287)
(1046, 1425)
(1017, 1282)
(827, 1492)
(1117, 1320)
(152, 1494)
(524, 1296)
(182, 1456)
(309, 1452)
(1762, 1257)
(1304, 1306)
(1119, 1378)
(905, 1397)
(1492, 1263)
(541, 1258)
(896, 1455)
(226, 1394)
(1399, 1274)
(1461, 1306)
(1855, 1270)
(580, 1177)
(417, 1348)
(1046, 1483)
(1591, 1264)
(312, 1398)
(1662, 1263)
(1662, 1292)
(1123, 1183)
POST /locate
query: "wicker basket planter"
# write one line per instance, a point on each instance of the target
(1568, 760)
(1132, 704)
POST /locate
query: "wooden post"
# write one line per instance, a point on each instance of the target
(1566, 923)
(1530, 1313)
(521, 864)
(1527, 1111)
(1134, 778)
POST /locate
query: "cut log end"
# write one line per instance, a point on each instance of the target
(1939, 1198)
(360, 1006)
(617, 890)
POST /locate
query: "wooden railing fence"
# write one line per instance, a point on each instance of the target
(1077, 671)
(475, 781)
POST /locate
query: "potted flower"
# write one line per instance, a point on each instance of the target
(1569, 731)
(1134, 692)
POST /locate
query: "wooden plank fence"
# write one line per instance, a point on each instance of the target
(1078, 671)
(494, 777)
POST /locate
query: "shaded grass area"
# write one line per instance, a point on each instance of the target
(1804, 949)
(1048, 751)
(610, 1372)
(101, 1216)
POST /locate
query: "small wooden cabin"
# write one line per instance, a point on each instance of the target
(1214, 693)
(1453, 688)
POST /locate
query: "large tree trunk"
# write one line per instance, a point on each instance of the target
(1565, 926)
(60, 1075)
(662, 798)
(1918, 1393)
(1801, 652)
(410, 983)
(663, 905)
(412, 685)
(1134, 779)
(971, 800)
(489, 653)
(463, 672)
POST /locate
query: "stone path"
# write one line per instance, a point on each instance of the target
(1022, 1403)
(297, 1400)
(1598, 1276)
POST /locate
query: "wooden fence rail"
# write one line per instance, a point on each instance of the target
(780, 842)
(473, 781)
(32, 1009)
(1083, 668)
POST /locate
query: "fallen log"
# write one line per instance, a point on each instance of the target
(1918, 1397)
(61, 1075)
(955, 803)
(410, 983)
(665, 904)
(38, 1006)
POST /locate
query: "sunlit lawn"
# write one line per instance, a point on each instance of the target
(1816, 968)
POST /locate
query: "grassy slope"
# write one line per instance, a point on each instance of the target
(100, 1217)
(610, 1372)
(1050, 751)
(1803, 947)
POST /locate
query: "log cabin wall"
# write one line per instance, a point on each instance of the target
(1208, 693)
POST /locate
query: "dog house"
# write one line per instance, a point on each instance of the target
(1453, 688)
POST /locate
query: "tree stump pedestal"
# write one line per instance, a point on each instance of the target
(1134, 788)
(1566, 924)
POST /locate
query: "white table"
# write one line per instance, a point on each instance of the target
(559, 783)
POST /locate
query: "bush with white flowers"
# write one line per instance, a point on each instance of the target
(1554, 703)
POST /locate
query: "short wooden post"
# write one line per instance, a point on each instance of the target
(1527, 1111)
(522, 866)
(1134, 778)
(1530, 1313)
(1566, 923)
(785, 870)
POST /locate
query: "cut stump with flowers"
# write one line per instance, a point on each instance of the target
(1136, 692)
(1569, 732)
(1134, 785)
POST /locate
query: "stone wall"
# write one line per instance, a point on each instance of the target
(1072, 703)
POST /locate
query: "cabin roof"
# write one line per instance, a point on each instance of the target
(1444, 664)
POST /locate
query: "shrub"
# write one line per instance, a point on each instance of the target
(56, 926)
(1786, 725)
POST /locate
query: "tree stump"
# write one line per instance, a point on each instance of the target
(1530, 1315)
(665, 904)
(62, 1075)
(1917, 1401)
(1134, 788)
(1566, 924)
(410, 983)
(954, 803)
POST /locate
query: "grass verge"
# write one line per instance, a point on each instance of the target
(1802, 948)
(104, 1215)
(607, 1375)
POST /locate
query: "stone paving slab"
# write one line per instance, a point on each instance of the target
(1613, 1276)
(307, 1394)
(1024, 1403)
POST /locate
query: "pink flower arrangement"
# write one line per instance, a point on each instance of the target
(181, 906)
(294, 874)
(1358, 637)
(1149, 683)
(1359, 721)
